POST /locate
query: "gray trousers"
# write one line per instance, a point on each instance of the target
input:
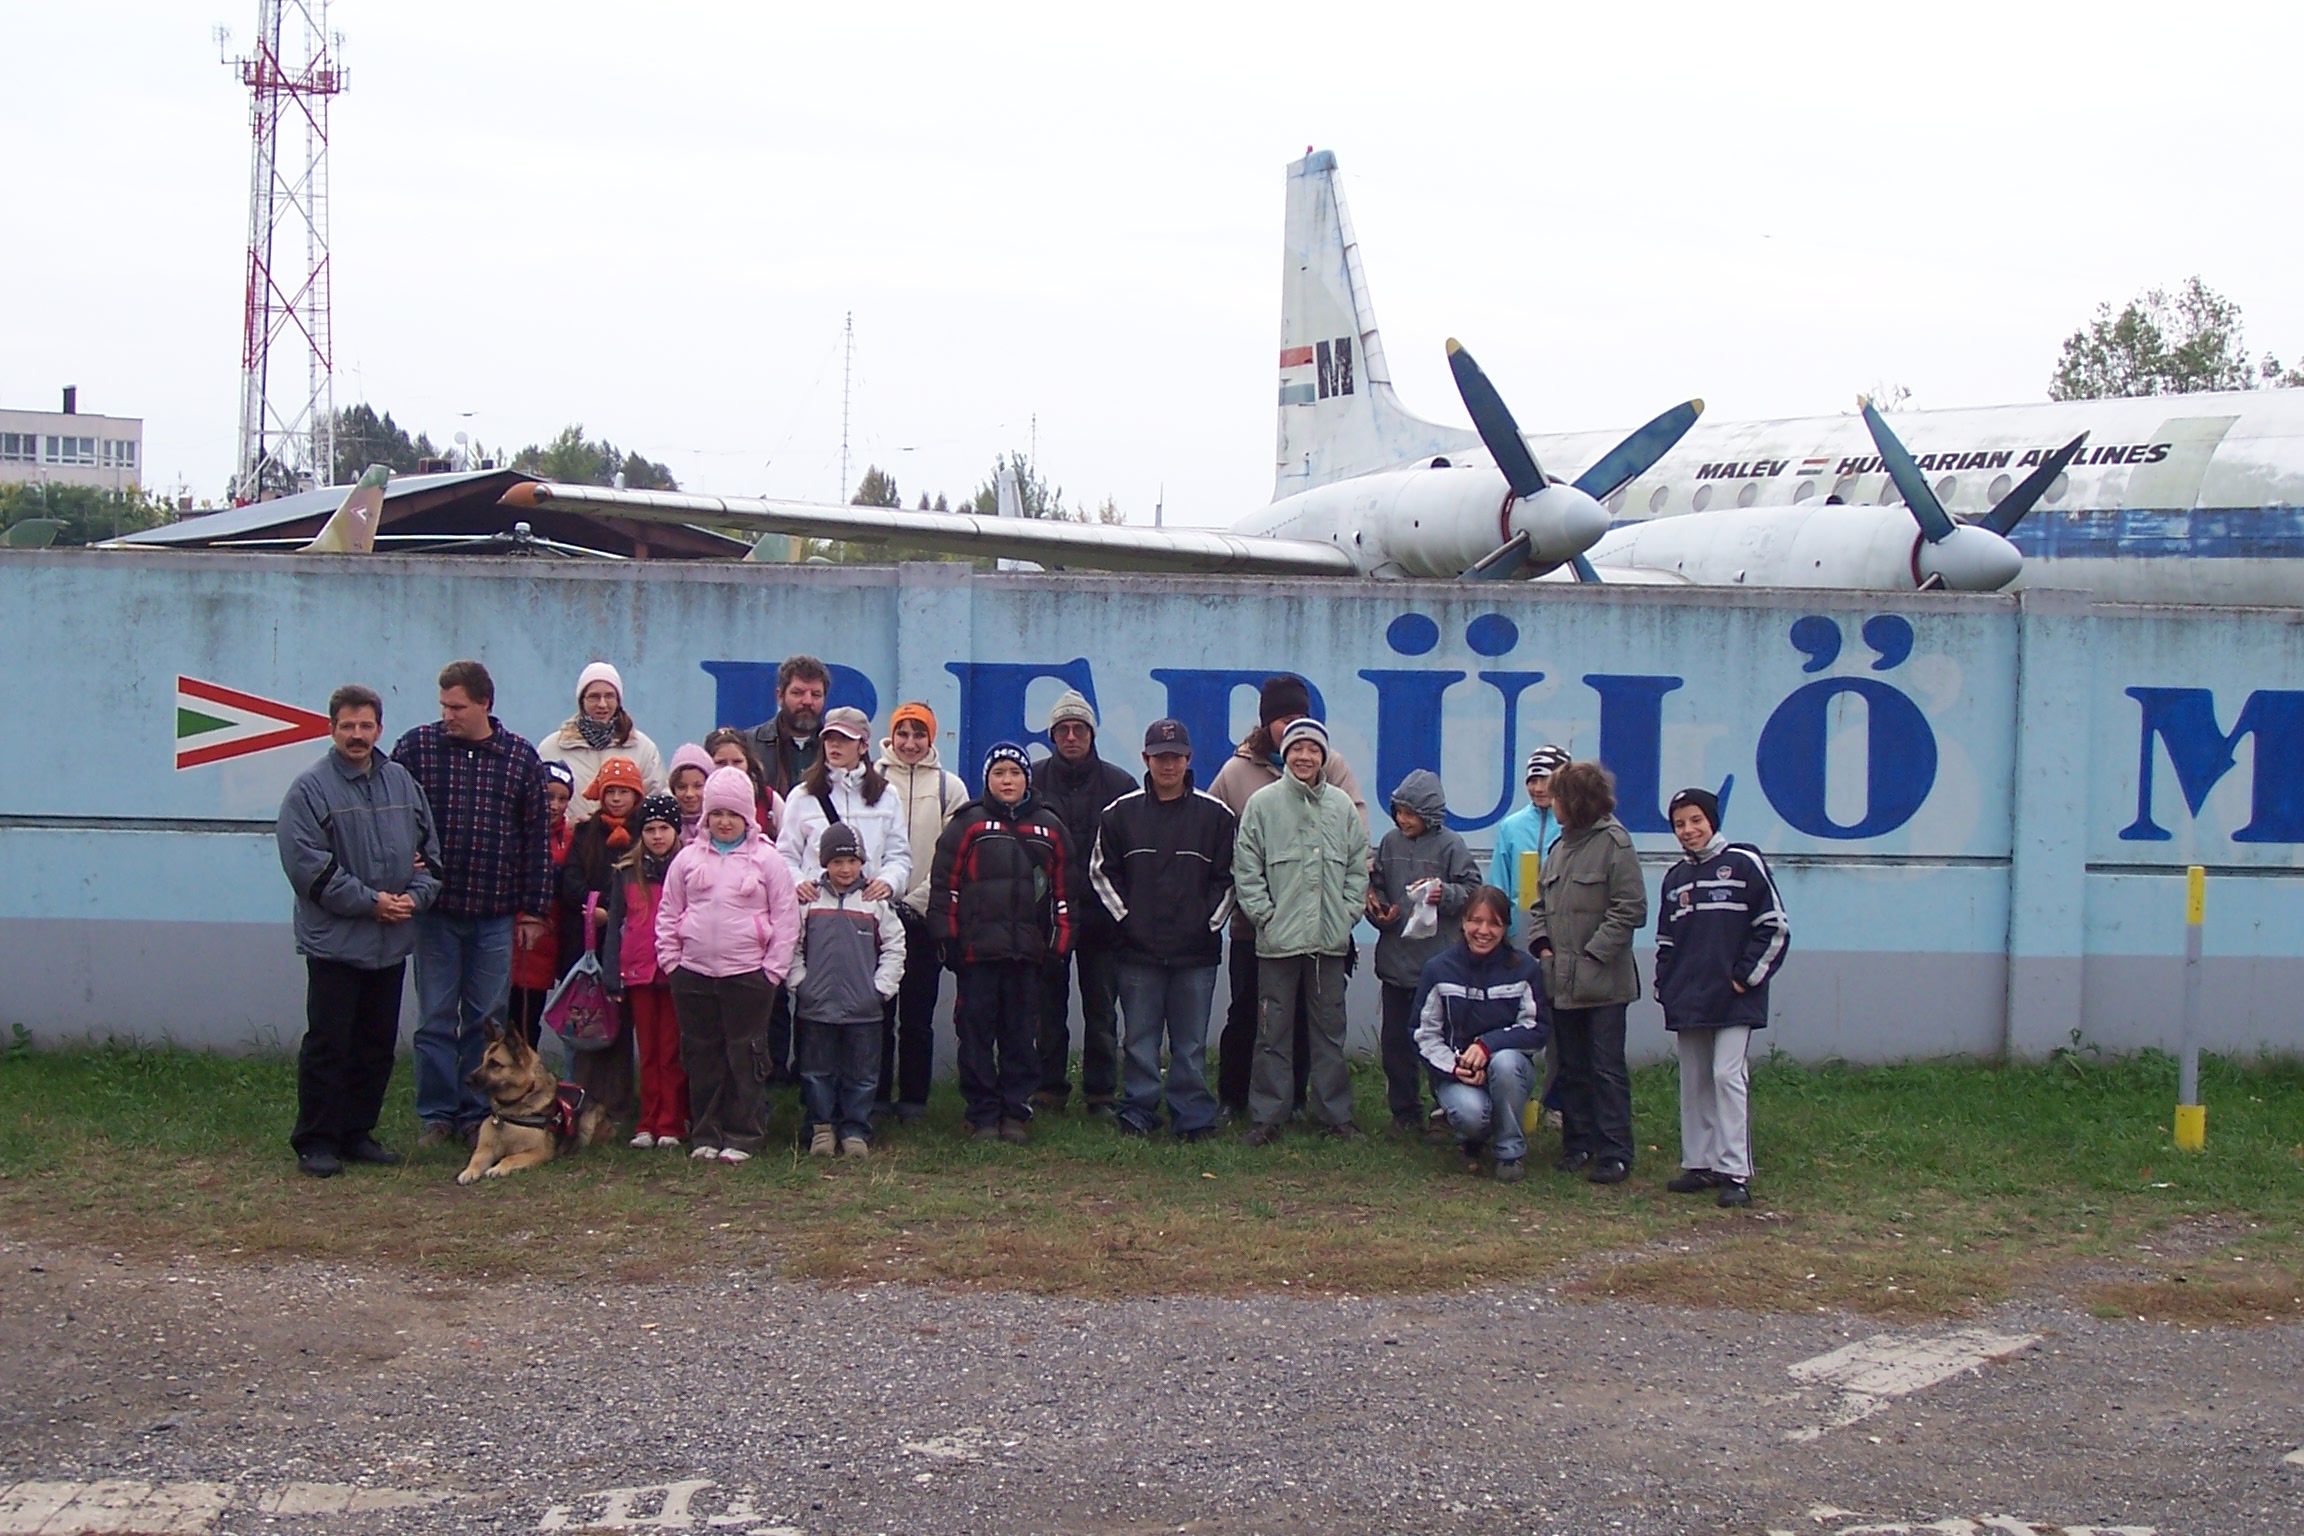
(1715, 1131)
(1320, 980)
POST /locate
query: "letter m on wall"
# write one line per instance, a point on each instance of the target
(2184, 721)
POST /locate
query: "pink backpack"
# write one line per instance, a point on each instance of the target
(579, 1010)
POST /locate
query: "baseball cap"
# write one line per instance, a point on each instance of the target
(1167, 738)
(847, 721)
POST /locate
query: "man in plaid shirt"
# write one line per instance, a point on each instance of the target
(486, 790)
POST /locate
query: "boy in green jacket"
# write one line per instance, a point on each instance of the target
(1300, 875)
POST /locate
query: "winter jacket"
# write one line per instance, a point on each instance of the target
(781, 758)
(346, 837)
(1300, 868)
(1162, 870)
(487, 800)
(850, 958)
(998, 888)
(887, 848)
(1462, 997)
(1719, 922)
(567, 745)
(1248, 771)
(1589, 903)
(1076, 793)
(1401, 860)
(1522, 840)
(931, 797)
(627, 949)
(724, 914)
(589, 871)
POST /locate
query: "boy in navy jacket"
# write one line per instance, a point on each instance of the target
(1478, 1029)
(1720, 936)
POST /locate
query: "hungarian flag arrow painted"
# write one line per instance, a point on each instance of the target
(214, 722)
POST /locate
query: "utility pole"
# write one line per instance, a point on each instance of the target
(847, 371)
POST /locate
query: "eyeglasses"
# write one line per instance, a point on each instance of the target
(1070, 728)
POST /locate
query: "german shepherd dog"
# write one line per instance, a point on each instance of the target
(534, 1122)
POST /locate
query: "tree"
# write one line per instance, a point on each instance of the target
(877, 489)
(364, 438)
(87, 512)
(1035, 496)
(572, 459)
(2163, 344)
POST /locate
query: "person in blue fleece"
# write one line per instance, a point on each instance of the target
(1478, 1030)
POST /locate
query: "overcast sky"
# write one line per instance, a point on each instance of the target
(651, 219)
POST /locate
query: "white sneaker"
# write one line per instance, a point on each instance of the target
(668, 1141)
(705, 1154)
(642, 1140)
(731, 1155)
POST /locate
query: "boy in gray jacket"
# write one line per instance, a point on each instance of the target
(845, 969)
(1420, 863)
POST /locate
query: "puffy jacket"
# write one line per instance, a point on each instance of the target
(1076, 794)
(1522, 840)
(1162, 869)
(1300, 868)
(723, 914)
(931, 797)
(628, 928)
(1462, 997)
(1401, 861)
(998, 886)
(1719, 923)
(347, 837)
(850, 958)
(1589, 903)
(887, 849)
(567, 745)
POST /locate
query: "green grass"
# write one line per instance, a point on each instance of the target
(1931, 1189)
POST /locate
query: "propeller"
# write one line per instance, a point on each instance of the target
(1965, 557)
(1544, 511)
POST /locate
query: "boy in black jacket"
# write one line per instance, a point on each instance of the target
(999, 907)
(1720, 936)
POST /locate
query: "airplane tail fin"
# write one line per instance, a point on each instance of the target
(352, 531)
(1338, 414)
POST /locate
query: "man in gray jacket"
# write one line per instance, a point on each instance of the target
(358, 846)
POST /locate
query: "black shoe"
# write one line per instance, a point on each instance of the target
(1407, 1125)
(369, 1150)
(319, 1163)
(1694, 1182)
(1102, 1109)
(911, 1114)
(1609, 1170)
(1573, 1162)
(1131, 1129)
(1016, 1133)
(1260, 1135)
(988, 1131)
(1734, 1194)
(1345, 1132)
(1190, 1138)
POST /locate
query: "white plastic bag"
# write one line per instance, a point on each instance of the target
(1422, 919)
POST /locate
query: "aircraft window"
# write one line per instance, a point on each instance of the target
(1748, 495)
(1616, 501)
(1889, 495)
(1703, 498)
(1438, 462)
(2000, 487)
(1657, 498)
(1806, 491)
(1945, 487)
(2056, 491)
(1845, 488)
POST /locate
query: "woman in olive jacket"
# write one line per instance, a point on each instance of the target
(1590, 900)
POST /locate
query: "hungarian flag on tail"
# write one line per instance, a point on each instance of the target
(214, 722)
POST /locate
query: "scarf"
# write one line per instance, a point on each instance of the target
(619, 835)
(652, 868)
(562, 835)
(599, 735)
(730, 846)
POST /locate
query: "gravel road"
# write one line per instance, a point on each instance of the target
(748, 1403)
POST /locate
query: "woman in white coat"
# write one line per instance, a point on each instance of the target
(598, 731)
(842, 786)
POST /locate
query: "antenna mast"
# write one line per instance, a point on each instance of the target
(287, 426)
(847, 370)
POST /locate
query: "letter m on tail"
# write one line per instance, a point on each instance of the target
(2184, 721)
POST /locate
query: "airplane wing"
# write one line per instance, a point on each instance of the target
(1074, 546)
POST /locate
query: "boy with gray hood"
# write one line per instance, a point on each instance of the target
(1421, 864)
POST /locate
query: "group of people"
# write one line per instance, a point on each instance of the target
(780, 904)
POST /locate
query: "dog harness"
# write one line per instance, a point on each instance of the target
(561, 1119)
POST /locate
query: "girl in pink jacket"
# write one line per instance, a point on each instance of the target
(724, 934)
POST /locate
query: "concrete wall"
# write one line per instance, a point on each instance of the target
(1979, 808)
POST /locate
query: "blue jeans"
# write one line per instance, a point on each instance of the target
(839, 1074)
(1492, 1113)
(1171, 1007)
(463, 975)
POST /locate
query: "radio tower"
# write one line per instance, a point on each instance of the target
(287, 423)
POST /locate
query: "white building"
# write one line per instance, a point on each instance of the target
(68, 447)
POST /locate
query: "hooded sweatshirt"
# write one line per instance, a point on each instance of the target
(931, 797)
(1435, 854)
(723, 914)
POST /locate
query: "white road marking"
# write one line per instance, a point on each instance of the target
(1870, 1373)
(180, 1509)
(1986, 1525)
(960, 1445)
(342, 1499)
(619, 1509)
(2294, 1458)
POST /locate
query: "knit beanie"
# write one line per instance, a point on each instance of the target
(1007, 752)
(617, 772)
(1306, 729)
(1546, 761)
(658, 808)
(1073, 705)
(730, 789)
(600, 672)
(1703, 799)
(839, 839)
(561, 774)
(920, 714)
(1282, 698)
(690, 755)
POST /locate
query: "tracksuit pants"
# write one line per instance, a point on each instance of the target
(724, 1051)
(1715, 1124)
(1595, 1086)
(663, 1082)
(351, 1024)
(999, 1022)
(1317, 981)
(908, 1035)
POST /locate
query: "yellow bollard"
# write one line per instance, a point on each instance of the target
(2191, 1127)
(2191, 1114)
